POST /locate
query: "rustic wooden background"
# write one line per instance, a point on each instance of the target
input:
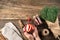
(16, 9)
(21, 9)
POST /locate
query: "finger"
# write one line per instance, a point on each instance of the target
(26, 34)
(29, 36)
(35, 33)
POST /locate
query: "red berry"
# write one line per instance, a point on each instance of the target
(29, 28)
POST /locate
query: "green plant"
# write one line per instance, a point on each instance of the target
(49, 13)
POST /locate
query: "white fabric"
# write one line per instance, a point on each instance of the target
(11, 32)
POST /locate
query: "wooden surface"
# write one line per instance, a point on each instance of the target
(16, 9)
(2, 37)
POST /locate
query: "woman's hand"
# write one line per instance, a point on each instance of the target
(29, 36)
(32, 36)
(35, 34)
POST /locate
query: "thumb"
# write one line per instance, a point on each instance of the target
(35, 33)
(29, 36)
